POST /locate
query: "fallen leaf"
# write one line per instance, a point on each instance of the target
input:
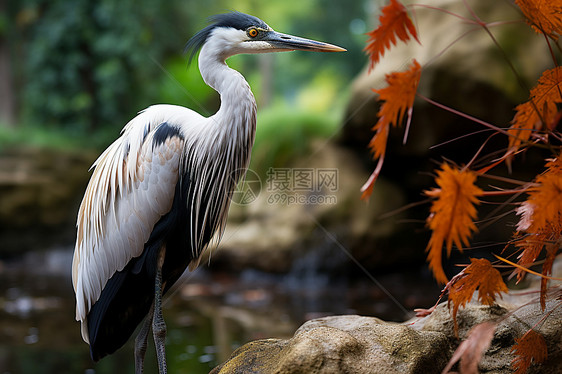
(530, 348)
(481, 275)
(470, 351)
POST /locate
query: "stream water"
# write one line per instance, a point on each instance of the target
(208, 315)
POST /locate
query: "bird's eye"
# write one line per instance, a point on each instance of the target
(253, 32)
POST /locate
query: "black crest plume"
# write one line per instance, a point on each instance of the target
(235, 20)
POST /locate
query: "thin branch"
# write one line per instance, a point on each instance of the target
(459, 138)
(526, 269)
(473, 13)
(502, 192)
(539, 322)
(467, 116)
(477, 120)
(479, 151)
(506, 57)
(404, 208)
(551, 51)
(468, 20)
(507, 180)
(438, 55)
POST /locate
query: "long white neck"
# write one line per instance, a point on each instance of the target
(238, 105)
(234, 125)
(235, 121)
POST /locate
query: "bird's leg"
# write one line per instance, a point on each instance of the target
(158, 324)
(142, 340)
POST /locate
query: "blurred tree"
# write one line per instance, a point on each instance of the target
(334, 21)
(7, 104)
(84, 59)
(85, 65)
(329, 21)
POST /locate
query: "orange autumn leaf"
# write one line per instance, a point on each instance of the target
(543, 15)
(398, 95)
(378, 143)
(540, 112)
(546, 198)
(530, 348)
(379, 140)
(394, 22)
(525, 122)
(551, 253)
(540, 225)
(481, 275)
(451, 215)
(398, 99)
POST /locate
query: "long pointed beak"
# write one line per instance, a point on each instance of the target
(291, 43)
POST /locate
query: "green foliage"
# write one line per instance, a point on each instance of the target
(82, 67)
(84, 60)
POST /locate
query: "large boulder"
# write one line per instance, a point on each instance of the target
(355, 344)
(344, 344)
(513, 322)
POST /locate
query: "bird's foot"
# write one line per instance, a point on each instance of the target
(159, 331)
(158, 324)
(141, 342)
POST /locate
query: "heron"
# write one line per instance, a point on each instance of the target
(161, 192)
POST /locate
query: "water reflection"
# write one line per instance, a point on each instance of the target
(209, 315)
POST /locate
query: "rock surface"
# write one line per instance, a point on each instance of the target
(344, 344)
(513, 322)
(355, 344)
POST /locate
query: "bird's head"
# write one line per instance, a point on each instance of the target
(234, 33)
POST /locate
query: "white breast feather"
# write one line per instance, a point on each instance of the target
(125, 198)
